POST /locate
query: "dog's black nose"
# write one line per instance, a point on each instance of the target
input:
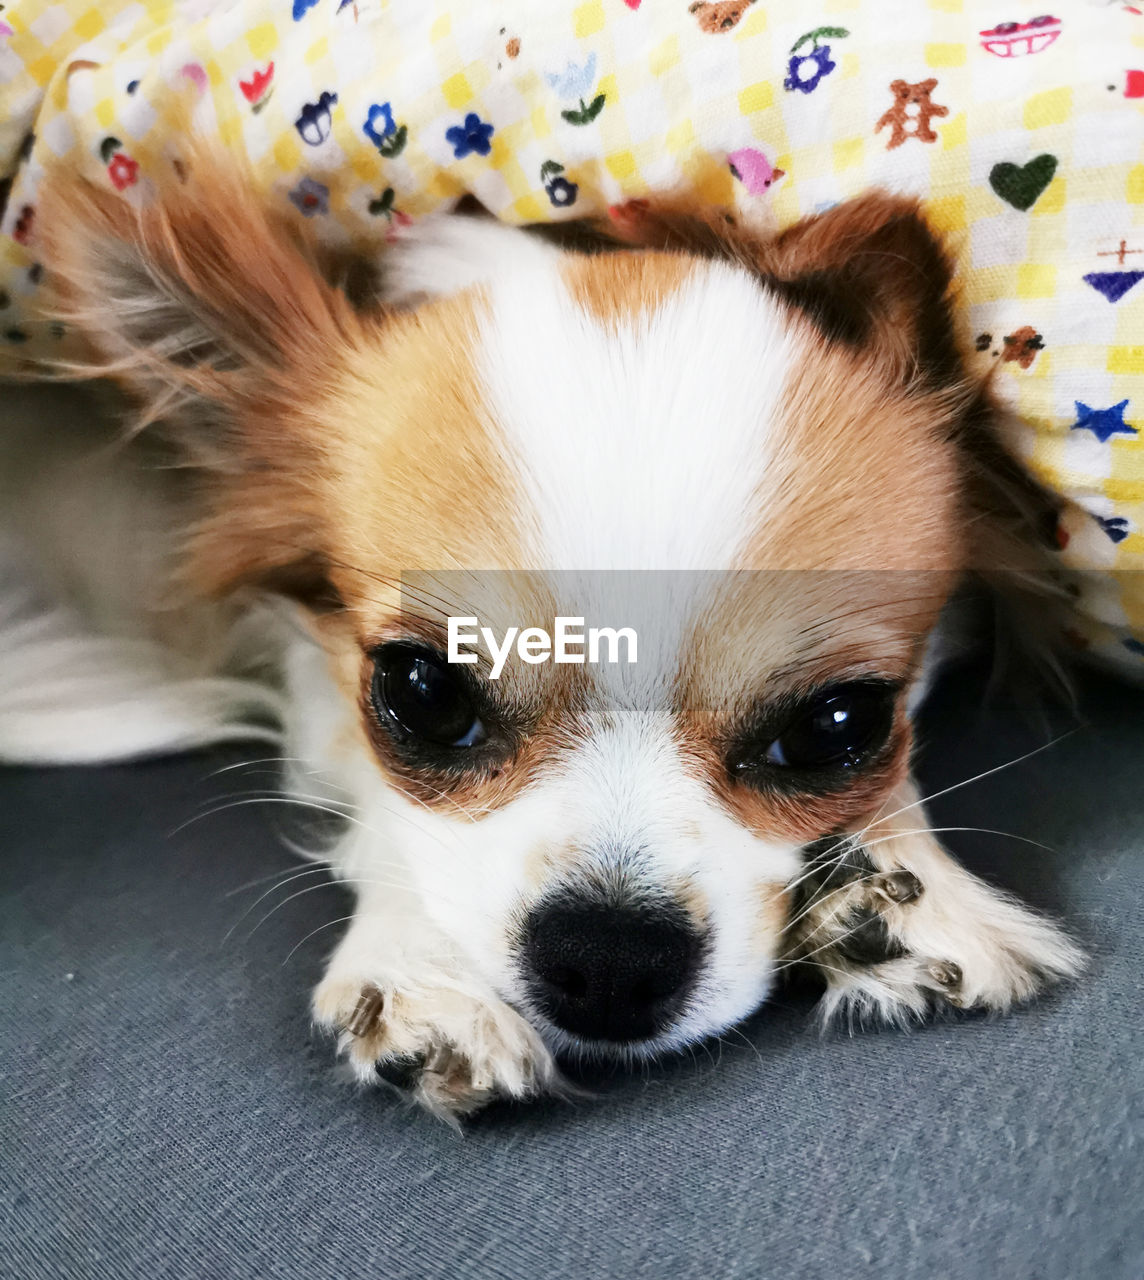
(610, 973)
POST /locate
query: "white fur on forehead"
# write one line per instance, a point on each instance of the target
(643, 442)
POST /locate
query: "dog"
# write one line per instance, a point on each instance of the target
(768, 457)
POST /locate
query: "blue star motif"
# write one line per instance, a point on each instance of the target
(1103, 423)
(473, 136)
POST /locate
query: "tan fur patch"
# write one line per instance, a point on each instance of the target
(418, 475)
(772, 909)
(620, 286)
(864, 476)
(694, 901)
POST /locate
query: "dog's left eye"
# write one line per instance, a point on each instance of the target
(422, 698)
(841, 727)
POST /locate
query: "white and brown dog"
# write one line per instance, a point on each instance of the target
(766, 458)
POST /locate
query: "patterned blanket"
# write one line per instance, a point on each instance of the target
(1023, 131)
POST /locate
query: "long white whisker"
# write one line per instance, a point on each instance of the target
(274, 875)
(845, 846)
(257, 760)
(926, 831)
(830, 943)
(298, 875)
(988, 773)
(329, 924)
(820, 898)
(245, 800)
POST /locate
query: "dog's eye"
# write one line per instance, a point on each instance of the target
(421, 697)
(840, 727)
(818, 740)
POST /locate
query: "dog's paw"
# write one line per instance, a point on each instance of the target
(445, 1047)
(898, 929)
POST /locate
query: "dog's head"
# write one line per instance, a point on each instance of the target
(758, 456)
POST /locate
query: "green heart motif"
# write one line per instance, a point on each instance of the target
(1022, 185)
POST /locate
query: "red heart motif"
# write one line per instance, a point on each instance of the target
(633, 4)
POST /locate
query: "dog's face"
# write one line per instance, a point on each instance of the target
(751, 455)
(613, 843)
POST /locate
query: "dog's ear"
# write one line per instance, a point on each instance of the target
(870, 273)
(215, 317)
(197, 300)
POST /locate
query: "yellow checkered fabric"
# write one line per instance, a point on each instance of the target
(1023, 133)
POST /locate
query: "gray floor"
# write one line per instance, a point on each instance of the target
(164, 1110)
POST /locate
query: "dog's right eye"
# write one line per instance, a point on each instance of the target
(420, 698)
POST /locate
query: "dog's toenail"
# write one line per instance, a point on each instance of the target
(899, 886)
(439, 1060)
(946, 974)
(450, 1067)
(366, 1012)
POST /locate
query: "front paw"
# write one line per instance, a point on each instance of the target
(446, 1047)
(899, 928)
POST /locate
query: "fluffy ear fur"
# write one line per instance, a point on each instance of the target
(212, 314)
(198, 294)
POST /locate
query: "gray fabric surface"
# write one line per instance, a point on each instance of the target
(166, 1111)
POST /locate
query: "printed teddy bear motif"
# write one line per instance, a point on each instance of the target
(719, 15)
(911, 113)
(1022, 345)
(1019, 347)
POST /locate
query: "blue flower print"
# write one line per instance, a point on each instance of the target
(383, 131)
(310, 198)
(301, 8)
(474, 136)
(379, 123)
(573, 81)
(805, 70)
(560, 192)
(314, 123)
